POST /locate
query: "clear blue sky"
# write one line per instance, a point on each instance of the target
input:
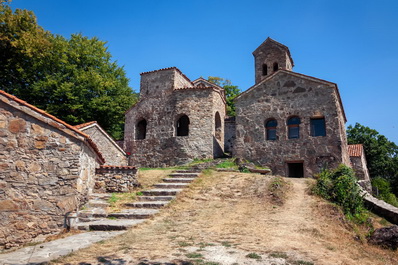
(353, 43)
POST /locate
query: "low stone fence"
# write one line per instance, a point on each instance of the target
(115, 179)
(381, 208)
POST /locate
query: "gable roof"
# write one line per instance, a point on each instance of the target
(298, 75)
(91, 124)
(51, 121)
(207, 83)
(355, 150)
(166, 69)
(270, 41)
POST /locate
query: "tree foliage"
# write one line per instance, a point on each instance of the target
(231, 92)
(381, 154)
(74, 79)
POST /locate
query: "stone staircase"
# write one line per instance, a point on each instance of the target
(96, 217)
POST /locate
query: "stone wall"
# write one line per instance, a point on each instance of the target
(229, 134)
(361, 171)
(115, 179)
(112, 153)
(281, 96)
(162, 110)
(47, 170)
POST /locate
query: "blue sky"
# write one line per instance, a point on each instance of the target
(349, 42)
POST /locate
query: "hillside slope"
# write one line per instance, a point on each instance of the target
(229, 218)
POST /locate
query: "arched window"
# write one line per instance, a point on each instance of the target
(265, 69)
(270, 127)
(276, 67)
(183, 126)
(140, 130)
(293, 125)
(217, 122)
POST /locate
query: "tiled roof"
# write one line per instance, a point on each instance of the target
(84, 124)
(355, 150)
(278, 44)
(70, 127)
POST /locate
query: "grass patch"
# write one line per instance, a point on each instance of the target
(253, 256)
(229, 163)
(302, 262)
(184, 244)
(278, 188)
(278, 255)
(194, 255)
(226, 244)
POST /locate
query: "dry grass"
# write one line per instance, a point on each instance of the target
(235, 210)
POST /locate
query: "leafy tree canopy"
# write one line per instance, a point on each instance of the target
(231, 92)
(381, 154)
(74, 79)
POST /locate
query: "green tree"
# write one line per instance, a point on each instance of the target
(231, 92)
(381, 154)
(74, 79)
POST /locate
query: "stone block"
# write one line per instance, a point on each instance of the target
(8, 205)
(17, 125)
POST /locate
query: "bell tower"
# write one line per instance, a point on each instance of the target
(269, 57)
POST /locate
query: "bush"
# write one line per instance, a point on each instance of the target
(340, 186)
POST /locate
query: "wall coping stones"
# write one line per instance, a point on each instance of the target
(50, 120)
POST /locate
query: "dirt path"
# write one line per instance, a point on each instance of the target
(229, 218)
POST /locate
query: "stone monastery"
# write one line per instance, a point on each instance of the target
(290, 122)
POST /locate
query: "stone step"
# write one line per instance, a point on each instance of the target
(155, 198)
(133, 214)
(97, 204)
(178, 180)
(150, 204)
(170, 185)
(92, 213)
(161, 192)
(102, 196)
(108, 224)
(184, 175)
(188, 171)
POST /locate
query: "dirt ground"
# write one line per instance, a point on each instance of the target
(229, 218)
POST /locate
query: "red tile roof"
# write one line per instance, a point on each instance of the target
(42, 112)
(355, 150)
(84, 124)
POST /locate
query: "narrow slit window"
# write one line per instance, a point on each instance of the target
(265, 69)
(276, 67)
(270, 127)
(217, 121)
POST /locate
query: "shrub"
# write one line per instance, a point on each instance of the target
(340, 186)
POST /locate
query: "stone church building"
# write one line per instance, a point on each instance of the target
(291, 122)
(175, 121)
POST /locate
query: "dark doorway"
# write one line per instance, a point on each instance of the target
(296, 170)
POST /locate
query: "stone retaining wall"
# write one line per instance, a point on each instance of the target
(381, 208)
(115, 179)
